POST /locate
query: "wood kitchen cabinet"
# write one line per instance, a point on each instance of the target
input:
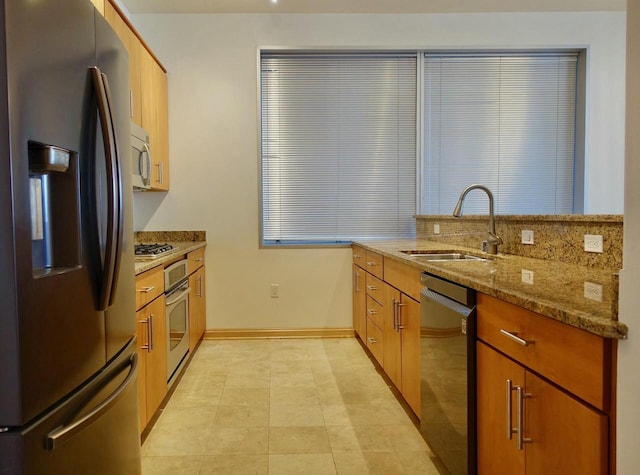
(155, 119)
(151, 333)
(561, 419)
(359, 303)
(386, 316)
(402, 345)
(197, 297)
(149, 95)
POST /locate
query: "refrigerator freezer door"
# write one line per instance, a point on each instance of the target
(95, 431)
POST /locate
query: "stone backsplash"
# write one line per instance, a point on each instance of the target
(170, 236)
(556, 237)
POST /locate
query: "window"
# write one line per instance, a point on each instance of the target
(505, 121)
(338, 147)
(339, 139)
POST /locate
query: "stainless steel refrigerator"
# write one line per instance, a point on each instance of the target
(68, 367)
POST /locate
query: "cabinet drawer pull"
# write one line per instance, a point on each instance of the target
(514, 336)
(146, 290)
(520, 403)
(372, 340)
(371, 312)
(371, 263)
(199, 259)
(372, 287)
(357, 256)
(145, 346)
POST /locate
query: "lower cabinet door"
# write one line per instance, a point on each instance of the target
(567, 436)
(197, 308)
(156, 371)
(410, 323)
(497, 450)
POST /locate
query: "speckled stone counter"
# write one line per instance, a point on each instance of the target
(183, 242)
(180, 249)
(557, 289)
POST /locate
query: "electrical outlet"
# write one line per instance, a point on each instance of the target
(436, 229)
(275, 291)
(527, 276)
(593, 242)
(527, 236)
(593, 291)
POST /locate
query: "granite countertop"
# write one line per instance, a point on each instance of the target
(180, 249)
(557, 289)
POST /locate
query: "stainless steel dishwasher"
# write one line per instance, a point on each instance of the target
(447, 373)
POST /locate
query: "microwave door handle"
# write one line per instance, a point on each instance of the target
(114, 192)
(146, 177)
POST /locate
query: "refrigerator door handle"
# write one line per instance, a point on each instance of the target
(61, 434)
(114, 192)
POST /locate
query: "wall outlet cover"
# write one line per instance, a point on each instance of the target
(593, 291)
(436, 229)
(593, 243)
(527, 236)
(527, 276)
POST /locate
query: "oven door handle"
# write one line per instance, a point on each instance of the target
(180, 296)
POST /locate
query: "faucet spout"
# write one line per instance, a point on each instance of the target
(491, 244)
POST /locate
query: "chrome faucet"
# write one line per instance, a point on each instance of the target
(490, 246)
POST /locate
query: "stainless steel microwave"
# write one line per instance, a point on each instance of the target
(140, 158)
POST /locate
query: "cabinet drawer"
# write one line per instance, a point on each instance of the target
(149, 285)
(375, 264)
(359, 256)
(375, 340)
(195, 260)
(375, 288)
(375, 312)
(572, 358)
(403, 277)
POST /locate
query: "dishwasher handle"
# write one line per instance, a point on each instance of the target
(433, 297)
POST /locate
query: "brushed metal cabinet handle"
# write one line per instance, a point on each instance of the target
(400, 305)
(145, 321)
(520, 408)
(146, 290)
(514, 337)
(372, 287)
(371, 263)
(510, 429)
(372, 340)
(150, 330)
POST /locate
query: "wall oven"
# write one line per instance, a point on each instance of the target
(176, 284)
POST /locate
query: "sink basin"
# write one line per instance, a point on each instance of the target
(435, 256)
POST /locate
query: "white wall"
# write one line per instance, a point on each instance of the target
(629, 350)
(212, 63)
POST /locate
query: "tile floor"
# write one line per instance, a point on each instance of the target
(284, 406)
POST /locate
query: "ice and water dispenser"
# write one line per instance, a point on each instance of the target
(54, 188)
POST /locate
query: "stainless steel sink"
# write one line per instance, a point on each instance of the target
(435, 256)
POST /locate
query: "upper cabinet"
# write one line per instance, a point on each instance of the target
(149, 104)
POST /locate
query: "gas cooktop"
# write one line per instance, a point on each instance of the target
(152, 251)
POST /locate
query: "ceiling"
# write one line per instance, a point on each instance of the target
(369, 6)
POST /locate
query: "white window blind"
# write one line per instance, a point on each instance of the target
(338, 147)
(504, 121)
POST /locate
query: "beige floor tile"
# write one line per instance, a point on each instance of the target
(293, 380)
(418, 463)
(184, 465)
(374, 463)
(198, 392)
(242, 416)
(293, 396)
(296, 415)
(234, 465)
(359, 439)
(238, 440)
(298, 440)
(233, 396)
(405, 438)
(248, 380)
(297, 464)
(180, 431)
(288, 367)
